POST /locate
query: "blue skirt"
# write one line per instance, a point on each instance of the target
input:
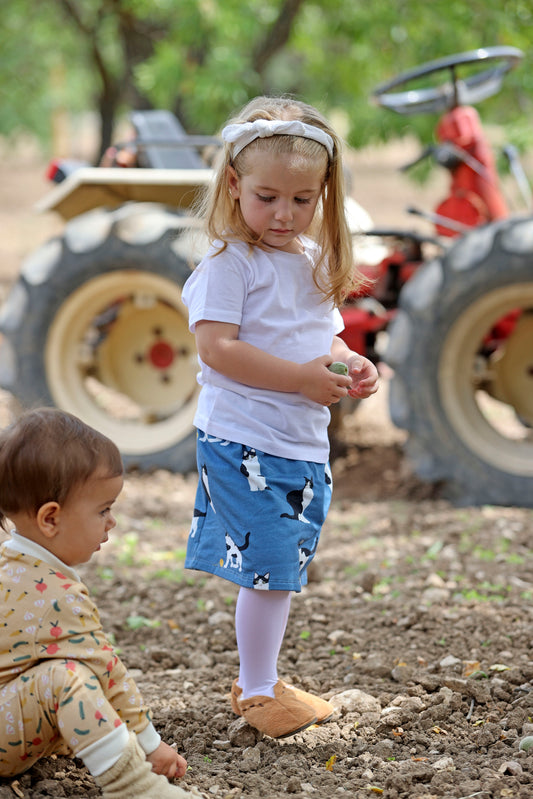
(257, 517)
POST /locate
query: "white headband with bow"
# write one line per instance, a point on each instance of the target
(242, 134)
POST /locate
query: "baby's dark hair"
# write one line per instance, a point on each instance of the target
(45, 454)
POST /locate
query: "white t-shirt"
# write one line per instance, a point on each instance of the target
(271, 296)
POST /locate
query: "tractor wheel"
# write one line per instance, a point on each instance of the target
(461, 347)
(96, 326)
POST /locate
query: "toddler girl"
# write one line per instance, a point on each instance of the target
(263, 305)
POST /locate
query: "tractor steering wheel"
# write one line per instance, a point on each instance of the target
(453, 92)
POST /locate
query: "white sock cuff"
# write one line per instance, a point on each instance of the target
(104, 753)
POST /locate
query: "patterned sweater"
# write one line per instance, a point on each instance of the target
(46, 612)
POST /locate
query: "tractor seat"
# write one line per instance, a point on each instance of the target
(161, 142)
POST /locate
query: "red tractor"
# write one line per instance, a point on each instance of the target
(460, 322)
(95, 323)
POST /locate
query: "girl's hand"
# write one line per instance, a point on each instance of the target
(166, 761)
(364, 377)
(317, 383)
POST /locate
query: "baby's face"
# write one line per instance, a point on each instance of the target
(85, 519)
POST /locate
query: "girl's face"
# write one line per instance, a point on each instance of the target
(278, 197)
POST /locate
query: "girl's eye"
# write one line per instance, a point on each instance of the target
(297, 200)
(105, 512)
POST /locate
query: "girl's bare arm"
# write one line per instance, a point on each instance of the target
(220, 348)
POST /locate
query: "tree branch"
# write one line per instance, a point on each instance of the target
(277, 36)
(109, 92)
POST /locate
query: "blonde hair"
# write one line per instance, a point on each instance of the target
(334, 272)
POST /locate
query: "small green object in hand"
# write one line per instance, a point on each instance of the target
(338, 367)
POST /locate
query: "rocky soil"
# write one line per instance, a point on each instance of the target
(417, 624)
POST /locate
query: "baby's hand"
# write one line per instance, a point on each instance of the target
(364, 375)
(166, 761)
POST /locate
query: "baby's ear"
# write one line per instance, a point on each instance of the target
(48, 519)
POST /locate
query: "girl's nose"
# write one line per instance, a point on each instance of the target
(111, 522)
(283, 210)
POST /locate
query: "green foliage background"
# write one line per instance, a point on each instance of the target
(204, 58)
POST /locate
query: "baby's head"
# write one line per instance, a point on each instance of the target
(46, 455)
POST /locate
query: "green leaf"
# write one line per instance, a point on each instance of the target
(137, 622)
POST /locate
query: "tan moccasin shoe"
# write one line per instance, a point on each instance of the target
(277, 716)
(322, 709)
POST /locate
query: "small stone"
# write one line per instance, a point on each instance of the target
(413, 703)
(434, 596)
(222, 745)
(457, 684)
(355, 701)
(511, 767)
(293, 785)
(444, 764)
(402, 673)
(449, 661)
(242, 734)
(488, 734)
(251, 759)
(384, 748)
(368, 581)
(340, 637)
(202, 660)
(376, 664)
(219, 618)
(434, 581)
(50, 787)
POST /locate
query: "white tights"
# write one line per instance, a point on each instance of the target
(260, 623)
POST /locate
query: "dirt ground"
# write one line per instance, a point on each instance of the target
(417, 622)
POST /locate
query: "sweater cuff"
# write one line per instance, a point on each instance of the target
(149, 739)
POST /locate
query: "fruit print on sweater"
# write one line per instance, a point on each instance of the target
(47, 614)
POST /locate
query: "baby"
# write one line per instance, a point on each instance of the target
(62, 687)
